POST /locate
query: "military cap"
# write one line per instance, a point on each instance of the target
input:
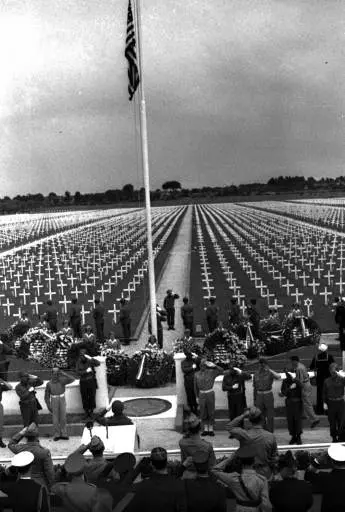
(75, 464)
(96, 444)
(22, 459)
(159, 454)
(169, 291)
(337, 452)
(124, 462)
(201, 457)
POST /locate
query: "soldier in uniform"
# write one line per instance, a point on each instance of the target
(187, 315)
(204, 382)
(234, 384)
(291, 389)
(117, 419)
(26, 494)
(234, 313)
(321, 363)
(28, 402)
(254, 317)
(51, 316)
(75, 318)
(333, 397)
(189, 368)
(263, 394)
(76, 494)
(125, 321)
(42, 469)
(94, 467)
(85, 368)
(169, 306)
(56, 403)
(98, 316)
(212, 315)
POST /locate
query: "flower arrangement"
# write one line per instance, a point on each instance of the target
(117, 363)
(181, 344)
(223, 347)
(150, 368)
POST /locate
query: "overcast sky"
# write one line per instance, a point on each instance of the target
(236, 91)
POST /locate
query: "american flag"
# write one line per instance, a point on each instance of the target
(131, 54)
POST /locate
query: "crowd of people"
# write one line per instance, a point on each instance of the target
(255, 476)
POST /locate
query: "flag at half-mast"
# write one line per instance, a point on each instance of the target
(131, 54)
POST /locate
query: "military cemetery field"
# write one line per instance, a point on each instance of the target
(278, 252)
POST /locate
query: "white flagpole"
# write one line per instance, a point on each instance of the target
(145, 159)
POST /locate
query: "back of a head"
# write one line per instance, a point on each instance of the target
(185, 300)
(287, 464)
(159, 458)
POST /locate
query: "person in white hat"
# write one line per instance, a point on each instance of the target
(330, 484)
(320, 364)
(26, 495)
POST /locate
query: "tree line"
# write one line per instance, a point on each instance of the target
(171, 190)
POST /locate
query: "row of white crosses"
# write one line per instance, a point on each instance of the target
(251, 229)
(241, 259)
(331, 215)
(19, 229)
(235, 289)
(88, 261)
(206, 275)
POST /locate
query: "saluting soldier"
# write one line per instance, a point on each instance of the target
(56, 402)
(204, 382)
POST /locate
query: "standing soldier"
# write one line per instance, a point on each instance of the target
(204, 382)
(98, 315)
(234, 313)
(254, 317)
(4, 386)
(125, 321)
(189, 368)
(56, 403)
(291, 389)
(321, 363)
(234, 383)
(169, 306)
(187, 315)
(5, 350)
(303, 377)
(161, 317)
(333, 397)
(212, 315)
(263, 394)
(28, 402)
(75, 318)
(51, 316)
(340, 318)
(85, 368)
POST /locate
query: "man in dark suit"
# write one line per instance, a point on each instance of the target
(24, 495)
(98, 316)
(330, 485)
(169, 306)
(125, 321)
(51, 316)
(203, 494)
(118, 417)
(75, 318)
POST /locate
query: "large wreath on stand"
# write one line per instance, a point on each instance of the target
(181, 344)
(223, 347)
(116, 364)
(15, 331)
(301, 331)
(63, 344)
(150, 368)
(37, 345)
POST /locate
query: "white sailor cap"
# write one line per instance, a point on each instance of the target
(337, 452)
(323, 347)
(22, 459)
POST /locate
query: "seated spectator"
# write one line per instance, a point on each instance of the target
(264, 442)
(290, 493)
(160, 492)
(192, 443)
(203, 494)
(249, 488)
(118, 418)
(88, 336)
(24, 494)
(95, 466)
(76, 495)
(152, 343)
(330, 484)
